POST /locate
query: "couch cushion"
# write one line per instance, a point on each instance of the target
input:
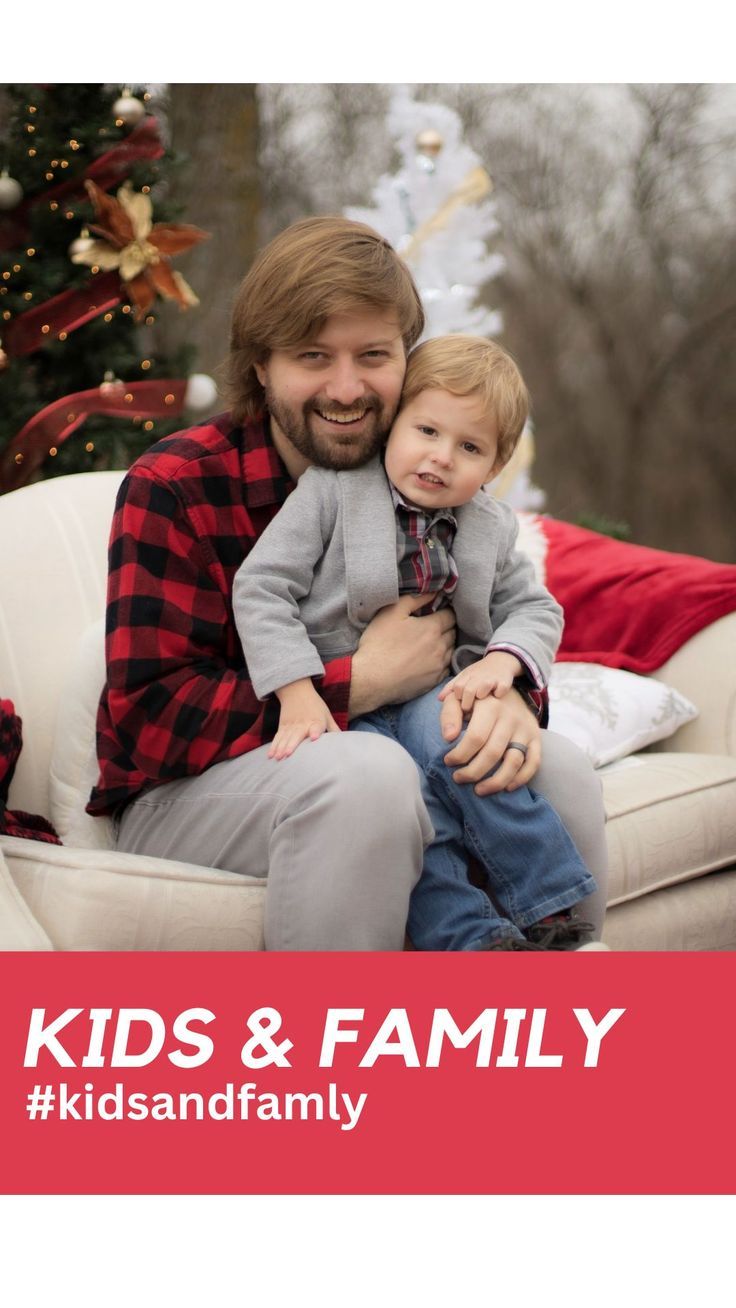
(699, 914)
(670, 817)
(18, 927)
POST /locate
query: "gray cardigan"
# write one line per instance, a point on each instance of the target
(327, 563)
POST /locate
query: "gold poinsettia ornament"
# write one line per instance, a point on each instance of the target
(137, 247)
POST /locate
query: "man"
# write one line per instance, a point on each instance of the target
(321, 327)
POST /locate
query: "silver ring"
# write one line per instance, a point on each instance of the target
(515, 744)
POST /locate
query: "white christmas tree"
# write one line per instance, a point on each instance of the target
(437, 212)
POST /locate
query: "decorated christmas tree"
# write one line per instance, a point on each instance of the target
(436, 210)
(86, 242)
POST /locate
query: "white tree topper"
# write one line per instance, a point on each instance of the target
(436, 211)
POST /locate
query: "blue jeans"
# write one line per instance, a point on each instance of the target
(531, 865)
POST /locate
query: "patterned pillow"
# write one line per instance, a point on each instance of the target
(610, 713)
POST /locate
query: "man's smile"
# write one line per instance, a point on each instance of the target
(344, 419)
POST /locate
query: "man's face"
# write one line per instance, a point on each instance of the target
(334, 397)
(442, 449)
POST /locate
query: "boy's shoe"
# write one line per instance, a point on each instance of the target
(512, 943)
(561, 931)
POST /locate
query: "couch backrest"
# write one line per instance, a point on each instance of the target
(53, 573)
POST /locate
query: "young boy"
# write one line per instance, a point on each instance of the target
(344, 545)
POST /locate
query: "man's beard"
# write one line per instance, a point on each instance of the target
(329, 449)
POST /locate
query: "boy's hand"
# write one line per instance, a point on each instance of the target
(304, 716)
(492, 675)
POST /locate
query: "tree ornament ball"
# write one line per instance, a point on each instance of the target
(130, 109)
(11, 192)
(3, 359)
(201, 392)
(429, 143)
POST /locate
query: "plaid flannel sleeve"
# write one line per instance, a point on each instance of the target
(174, 703)
(537, 701)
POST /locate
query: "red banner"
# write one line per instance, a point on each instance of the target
(108, 169)
(115, 164)
(158, 398)
(61, 314)
(363, 1073)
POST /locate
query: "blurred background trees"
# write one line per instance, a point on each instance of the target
(618, 294)
(615, 207)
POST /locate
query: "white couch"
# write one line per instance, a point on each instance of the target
(671, 810)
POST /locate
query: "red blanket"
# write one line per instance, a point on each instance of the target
(629, 606)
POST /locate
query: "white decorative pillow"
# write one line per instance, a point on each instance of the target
(610, 713)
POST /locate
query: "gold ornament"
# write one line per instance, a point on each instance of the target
(112, 386)
(138, 248)
(475, 186)
(429, 142)
(82, 244)
(520, 461)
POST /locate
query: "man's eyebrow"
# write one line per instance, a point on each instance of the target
(365, 345)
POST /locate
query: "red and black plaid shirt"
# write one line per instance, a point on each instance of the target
(178, 697)
(28, 826)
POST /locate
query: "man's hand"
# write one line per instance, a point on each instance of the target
(304, 716)
(492, 675)
(400, 656)
(493, 725)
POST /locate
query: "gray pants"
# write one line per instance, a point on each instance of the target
(339, 829)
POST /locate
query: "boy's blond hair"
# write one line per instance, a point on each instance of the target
(315, 268)
(472, 365)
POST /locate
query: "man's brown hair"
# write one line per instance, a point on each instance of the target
(314, 269)
(472, 365)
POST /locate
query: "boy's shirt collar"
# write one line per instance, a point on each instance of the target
(429, 517)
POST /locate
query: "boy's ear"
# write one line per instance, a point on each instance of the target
(260, 372)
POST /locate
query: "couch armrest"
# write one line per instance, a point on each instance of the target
(65, 898)
(704, 669)
(19, 929)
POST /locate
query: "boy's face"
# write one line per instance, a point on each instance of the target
(441, 450)
(333, 397)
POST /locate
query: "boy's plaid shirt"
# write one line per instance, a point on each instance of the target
(423, 551)
(178, 697)
(425, 564)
